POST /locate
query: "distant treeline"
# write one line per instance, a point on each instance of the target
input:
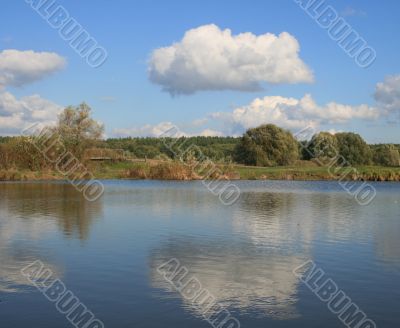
(218, 149)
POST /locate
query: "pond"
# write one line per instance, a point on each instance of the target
(250, 258)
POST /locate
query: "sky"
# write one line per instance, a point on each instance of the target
(208, 68)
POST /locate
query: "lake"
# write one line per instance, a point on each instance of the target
(111, 253)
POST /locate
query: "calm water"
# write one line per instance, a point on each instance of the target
(107, 253)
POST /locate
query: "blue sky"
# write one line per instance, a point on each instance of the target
(128, 103)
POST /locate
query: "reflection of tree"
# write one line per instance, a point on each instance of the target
(53, 202)
(236, 274)
(28, 212)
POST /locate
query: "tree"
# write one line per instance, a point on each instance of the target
(386, 155)
(267, 145)
(353, 148)
(77, 129)
(323, 146)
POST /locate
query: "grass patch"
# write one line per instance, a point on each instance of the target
(170, 170)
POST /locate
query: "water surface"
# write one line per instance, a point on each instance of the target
(107, 252)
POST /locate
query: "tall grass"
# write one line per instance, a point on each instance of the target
(162, 171)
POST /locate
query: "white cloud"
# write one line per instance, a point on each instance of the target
(292, 113)
(334, 131)
(350, 11)
(21, 67)
(208, 58)
(18, 114)
(210, 133)
(163, 129)
(108, 99)
(387, 94)
(334, 112)
(199, 122)
(147, 130)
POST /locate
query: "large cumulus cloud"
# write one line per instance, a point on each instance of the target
(208, 58)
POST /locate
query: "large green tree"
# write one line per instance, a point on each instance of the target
(353, 148)
(267, 145)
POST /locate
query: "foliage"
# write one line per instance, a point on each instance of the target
(21, 153)
(267, 145)
(386, 155)
(77, 129)
(322, 146)
(218, 149)
(353, 148)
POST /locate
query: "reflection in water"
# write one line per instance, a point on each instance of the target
(388, 244)
(237, 275)
(296, 220)
(272, 219)
(243, 254)
(54, 202)
(29, 212)
(253, 273)
(387, 239)
(14, 257)
(275, 233)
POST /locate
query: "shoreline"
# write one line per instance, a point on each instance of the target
(179, 172)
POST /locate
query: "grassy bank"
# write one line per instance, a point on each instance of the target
(179, 171)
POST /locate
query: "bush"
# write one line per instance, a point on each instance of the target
(386, 155)
(323, 146)
(353, 148)
(267, 145)
(21, 153)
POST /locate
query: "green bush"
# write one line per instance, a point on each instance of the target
(267, 145)
(386, 155)
(353, 149)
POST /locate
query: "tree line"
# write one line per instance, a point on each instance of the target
(266, 145)
(269, 145)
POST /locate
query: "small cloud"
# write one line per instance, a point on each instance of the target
(147, 130)
(18, 68)
(334, 131)
(211, 133)
(387, 95)
(162, 129)
(108, 99)
(350, 11)
(6, 39)
(18, 114)
(200, 122)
